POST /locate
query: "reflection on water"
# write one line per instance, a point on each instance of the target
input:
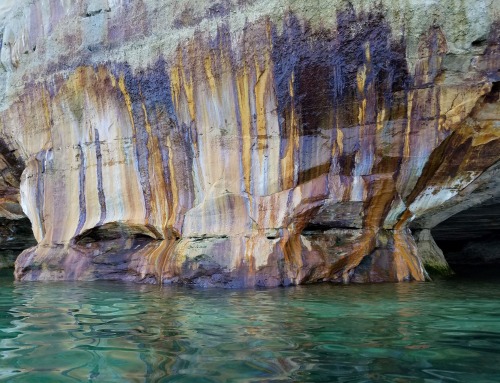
(445, 331)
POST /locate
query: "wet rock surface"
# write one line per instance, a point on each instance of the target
(257, 143)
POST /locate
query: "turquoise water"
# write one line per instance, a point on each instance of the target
(444, 331)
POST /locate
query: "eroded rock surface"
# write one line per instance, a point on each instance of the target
(246, 143)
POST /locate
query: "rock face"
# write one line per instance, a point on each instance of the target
(244, 142)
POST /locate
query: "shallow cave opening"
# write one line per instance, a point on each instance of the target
(470, 240)
(116, 232)
(15, 237)
(16, 234)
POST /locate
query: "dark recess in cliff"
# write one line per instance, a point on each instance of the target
(471, 237)
(15, 236)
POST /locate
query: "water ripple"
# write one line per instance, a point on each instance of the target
(446, 331)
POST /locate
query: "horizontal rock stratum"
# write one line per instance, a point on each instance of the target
(245, 142)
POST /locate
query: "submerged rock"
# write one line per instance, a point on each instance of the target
(245, 143)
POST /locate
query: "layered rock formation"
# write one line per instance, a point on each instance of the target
(245, 142)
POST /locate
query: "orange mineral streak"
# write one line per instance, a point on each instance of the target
(406, 261)
(339, 141)
(46, 108)
(288, 172)
(381, 118)
(381, 195)
(488, 133)
(167, 260)
(403, 220)
(361, 77)
(182, 84)
(292, 252)
(261, 90)
(188, 84)
(173, 216)
(243, 89)
(162, 257)
(128, 101)
(210, 77)
(364, 247)
(175, 85)
(406, 151)
(159, 206)
(249, 256)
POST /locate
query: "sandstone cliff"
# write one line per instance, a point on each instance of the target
(245, 142)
